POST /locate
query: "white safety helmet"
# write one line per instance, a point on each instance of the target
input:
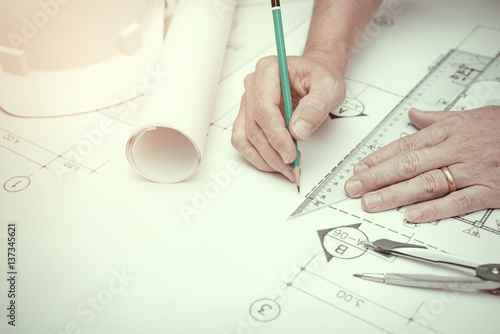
(62, 57)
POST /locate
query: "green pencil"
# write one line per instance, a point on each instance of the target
(285, 81)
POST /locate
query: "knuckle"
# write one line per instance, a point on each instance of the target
(276, 163)
(237, 140)
(463, 202)
(437, 134)
(431, 210)
(407, 164)
(374, 159)
(265, 62)
(259, 112)
(429, 184)
(272, 160)
(251, 132)
(274, 138)
(406, 144)
(249, 80)
(392, 195)
(373, 178)
(329, 82)
(271, 74)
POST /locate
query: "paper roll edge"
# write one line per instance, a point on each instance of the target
(171, 176)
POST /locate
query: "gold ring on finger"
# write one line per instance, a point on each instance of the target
(452, 184)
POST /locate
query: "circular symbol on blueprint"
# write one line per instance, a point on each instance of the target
(350, 108)
(265, 310)
(17, 183)
(344, 242)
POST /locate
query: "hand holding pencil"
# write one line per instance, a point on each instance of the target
(262, 132)
(285, 82)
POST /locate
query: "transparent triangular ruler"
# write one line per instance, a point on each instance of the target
(445, 87)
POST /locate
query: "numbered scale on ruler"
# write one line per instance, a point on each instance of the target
(445, 84)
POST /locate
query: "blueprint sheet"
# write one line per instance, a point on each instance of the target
(98, 249)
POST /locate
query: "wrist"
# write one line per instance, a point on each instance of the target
(335, 62)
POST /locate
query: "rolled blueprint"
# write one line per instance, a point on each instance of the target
(167, 141)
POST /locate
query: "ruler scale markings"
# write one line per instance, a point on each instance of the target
(440, 88)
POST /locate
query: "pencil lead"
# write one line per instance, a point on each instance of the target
(296, 172)
(356, 275)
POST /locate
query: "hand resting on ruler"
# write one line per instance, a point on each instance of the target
(408, 170)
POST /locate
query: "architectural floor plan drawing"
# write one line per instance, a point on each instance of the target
(234, 250)
(461, 79)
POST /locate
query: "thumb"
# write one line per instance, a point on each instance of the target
(422, 119)
(314, 108)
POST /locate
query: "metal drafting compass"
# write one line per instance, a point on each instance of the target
(487, 275)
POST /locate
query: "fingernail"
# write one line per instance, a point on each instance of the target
(302, 128)
(289, 174)
(372, 201)
(412, 214)
(353, 187)
(284, 155)
(360, 168)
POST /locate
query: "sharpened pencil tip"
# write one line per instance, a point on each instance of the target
(296, 172)
(357, 275)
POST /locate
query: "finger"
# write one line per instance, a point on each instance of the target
(324, 95)
(241, 144)
(254, 145)
(422, 119)
(423, 187)
(457, 203)
(244, 146)
(425, 138)
(266, 99)
(267, 152)
(402, 167)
